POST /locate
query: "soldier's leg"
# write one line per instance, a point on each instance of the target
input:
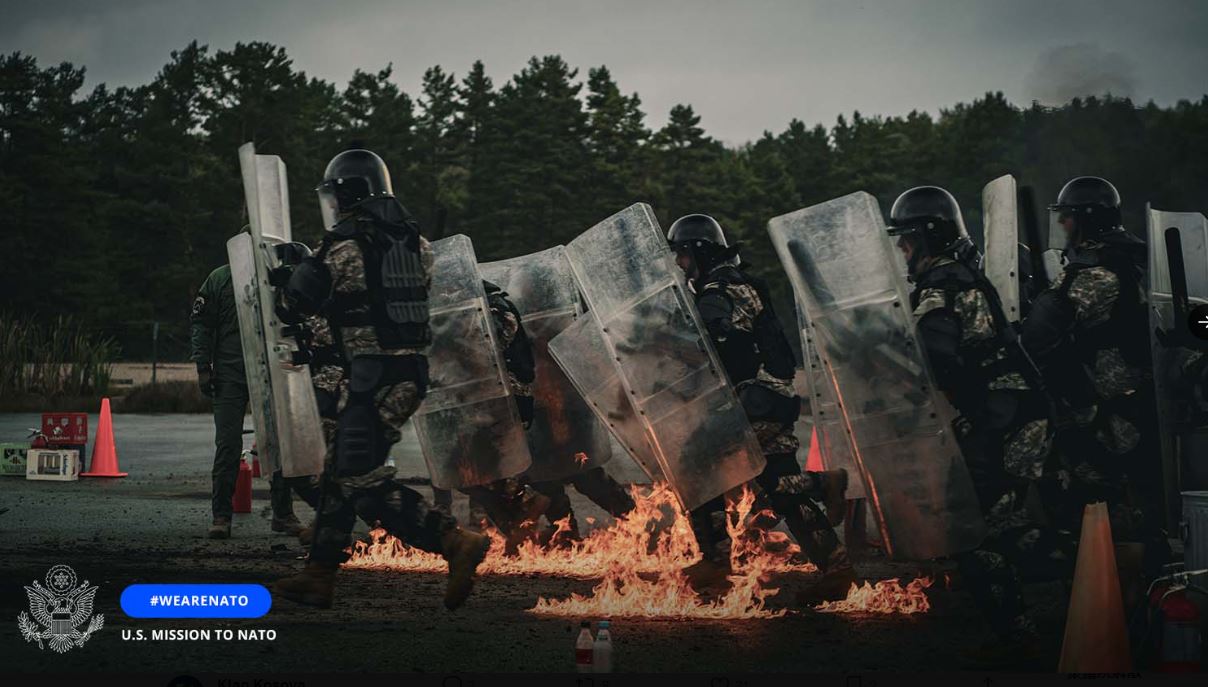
(559, 510)
(442, 499)
(306, 488)
(404, 513)
(230, 404)
(398, 384)
(994, 581)
(604, 491)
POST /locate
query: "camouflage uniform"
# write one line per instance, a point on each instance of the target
(1004, 434)
(1089, 333)
(506, 502)
(375, 495)
(732, 308)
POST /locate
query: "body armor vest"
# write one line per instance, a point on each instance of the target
(396, 302)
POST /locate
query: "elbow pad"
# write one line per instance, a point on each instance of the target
(307, 291)
(1047, 326)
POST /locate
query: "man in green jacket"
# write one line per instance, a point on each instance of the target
(218, 352)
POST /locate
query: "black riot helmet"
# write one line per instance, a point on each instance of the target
(929, 218)
(352, 177)
(1093, 203)
(701, 238)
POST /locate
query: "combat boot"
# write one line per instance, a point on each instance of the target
(314, 586)
(530, 507)
(463, 550)
(834, 490)
(220, 529)
(288, 525)
(833, 586)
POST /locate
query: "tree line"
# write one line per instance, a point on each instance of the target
(115, 203)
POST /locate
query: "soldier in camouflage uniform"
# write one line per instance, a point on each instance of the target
(1089, 334)
(217, 351)
(511, 504)
(737, 313)
(369, 281)
(1003, 425)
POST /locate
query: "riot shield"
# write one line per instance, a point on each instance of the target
(1181, 434)
(565, 437)
(285, 414)
(468, 426)
(1000, 218)
(699, 432)
(848, 275)
(834, 443)
(582, 354)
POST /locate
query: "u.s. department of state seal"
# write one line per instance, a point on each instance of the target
(58, 610)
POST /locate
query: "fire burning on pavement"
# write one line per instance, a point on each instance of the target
(638, 560)
(886, 597)
(653, 539)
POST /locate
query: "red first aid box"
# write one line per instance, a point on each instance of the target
(62, 429)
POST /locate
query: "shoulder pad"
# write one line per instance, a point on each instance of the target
(725, 274)
(953, 273)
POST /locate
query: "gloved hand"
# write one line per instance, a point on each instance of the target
(525, 405)
(205, 380)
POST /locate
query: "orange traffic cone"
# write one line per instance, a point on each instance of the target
(1095, 637)
(104, 451)
(255, 465)
(813, 462)
(241, 500)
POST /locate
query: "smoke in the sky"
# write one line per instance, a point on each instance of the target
(1071, 71)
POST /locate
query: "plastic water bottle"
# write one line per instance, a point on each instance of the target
(583, 648)
(601, 654)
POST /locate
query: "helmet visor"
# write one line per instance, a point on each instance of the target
(329, 206)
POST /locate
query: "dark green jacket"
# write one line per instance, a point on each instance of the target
(214, 339)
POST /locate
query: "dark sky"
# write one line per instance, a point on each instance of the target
(745, 66)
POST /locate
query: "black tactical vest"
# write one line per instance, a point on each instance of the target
(766, 345)
(396, 302)
(1127, 328)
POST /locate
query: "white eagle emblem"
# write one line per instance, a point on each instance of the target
(58, 609)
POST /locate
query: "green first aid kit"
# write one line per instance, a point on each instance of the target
(12, 459)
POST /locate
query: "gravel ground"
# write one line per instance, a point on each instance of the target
(149, 527)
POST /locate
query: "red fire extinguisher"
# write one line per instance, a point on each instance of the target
(1178, 632)
(38, 439)
(241, 500)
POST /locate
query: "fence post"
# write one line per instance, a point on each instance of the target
(154, 348)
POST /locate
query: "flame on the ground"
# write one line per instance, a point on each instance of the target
(625, 593)
(638, 559)
(653, 538)
(887, 597)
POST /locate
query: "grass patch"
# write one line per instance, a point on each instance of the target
(164, 397)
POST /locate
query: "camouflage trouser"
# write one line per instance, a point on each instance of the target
(595, 484)
(799, 508)
(799, 511)
(995, 571)
(503, 501)
(374, 494)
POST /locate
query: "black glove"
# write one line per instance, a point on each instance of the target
(525, 405)
(205, 380)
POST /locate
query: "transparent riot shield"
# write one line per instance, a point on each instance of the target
(582, 354)
(834, 443)
(1183, 432)
(468, 426)
(1000, 218)
(667, 364)
(565, 437)
(282, 398)
(847, 274)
